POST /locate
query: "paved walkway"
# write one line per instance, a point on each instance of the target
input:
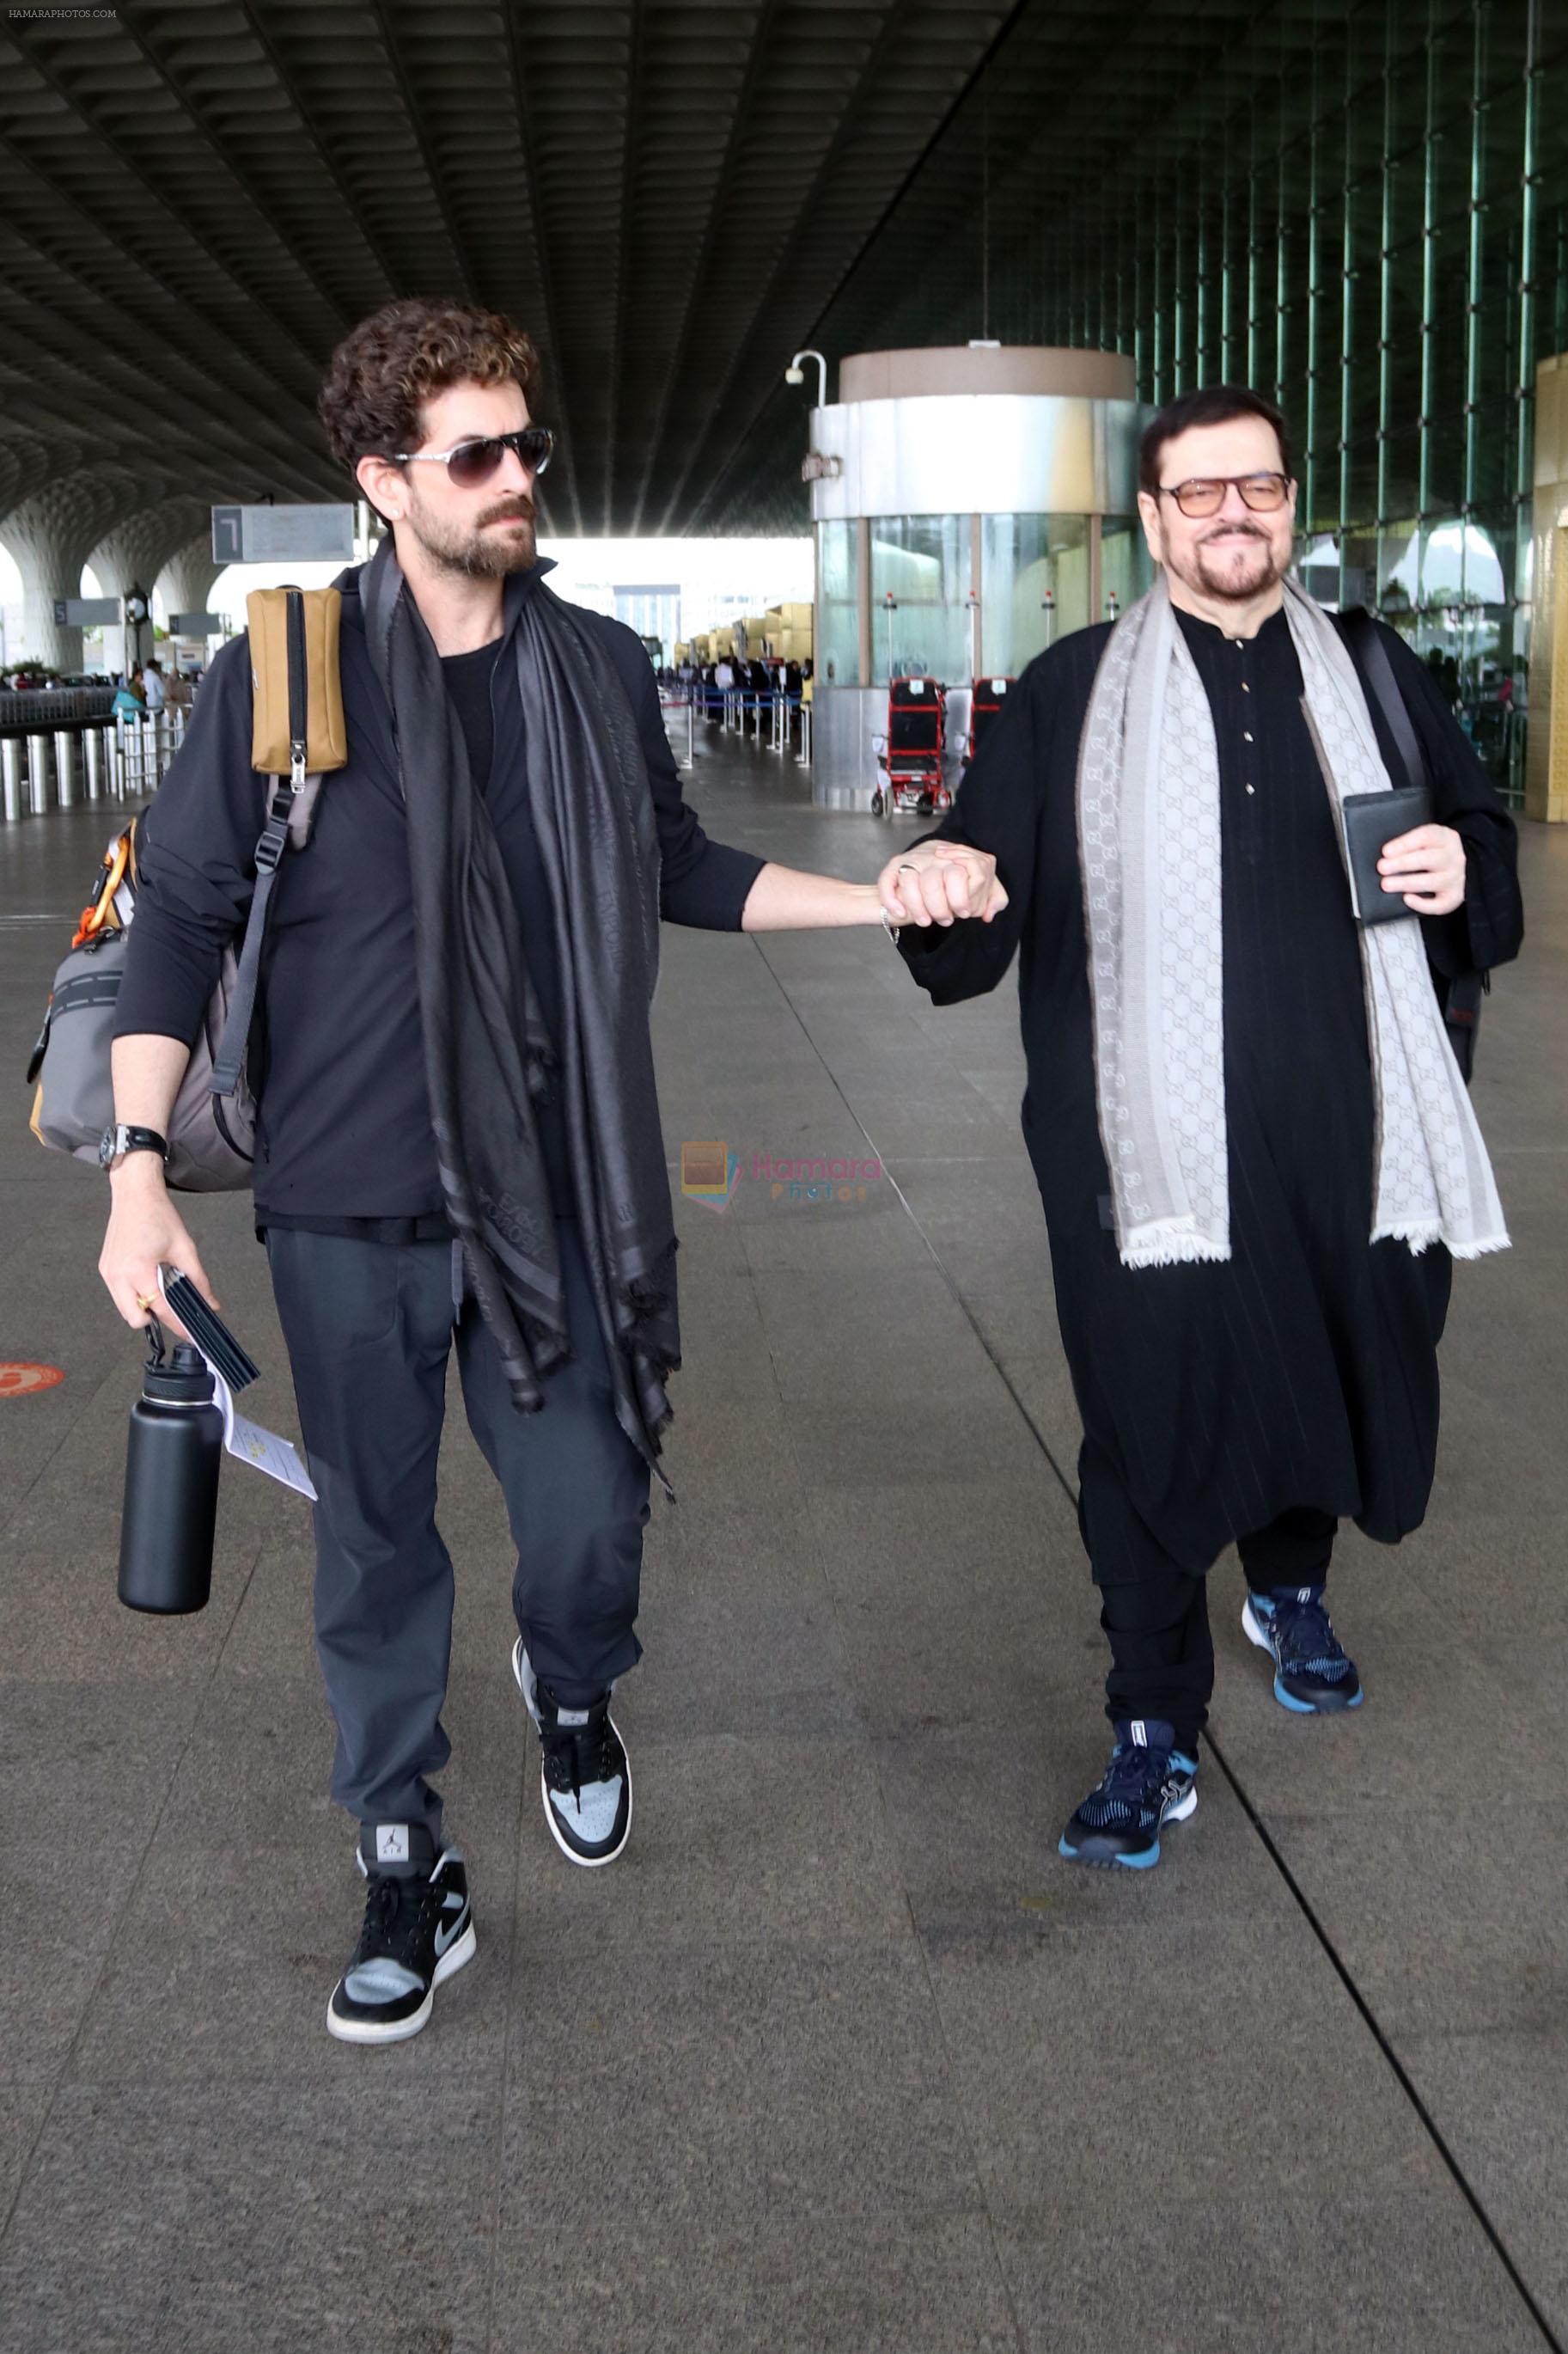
(840, 2056)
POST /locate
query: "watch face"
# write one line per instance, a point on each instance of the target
(106, 1146)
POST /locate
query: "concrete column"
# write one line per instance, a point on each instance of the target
(186, 579)
(49, 534)
(130, 556)
(1546, 778)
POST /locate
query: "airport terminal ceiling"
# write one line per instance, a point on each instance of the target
(199, 196)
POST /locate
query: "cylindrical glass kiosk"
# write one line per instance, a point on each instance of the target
(971, 505)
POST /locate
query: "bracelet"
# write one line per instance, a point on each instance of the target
(889, 927)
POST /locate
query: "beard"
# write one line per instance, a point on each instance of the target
(478, 551)
(1219, 572)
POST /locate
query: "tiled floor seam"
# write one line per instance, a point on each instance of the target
(67, 2057)
(1395, 2065)
(498, 2172)
(112, 1378)
(938, 1261)
(1406, 2086)
(1004, 2280)
(833, 1602)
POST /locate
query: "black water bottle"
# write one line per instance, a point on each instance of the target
(171, 1486)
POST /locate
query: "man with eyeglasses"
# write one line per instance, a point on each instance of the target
(1253, 1143)
(458, 1133)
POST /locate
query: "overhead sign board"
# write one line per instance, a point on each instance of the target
(306, 535)
(195, 625)
(86, 612)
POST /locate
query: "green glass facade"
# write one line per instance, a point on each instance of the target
(1359, 206)
(1376, 233)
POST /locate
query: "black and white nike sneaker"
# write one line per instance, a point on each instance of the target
(584, 1778)
(418, 1929)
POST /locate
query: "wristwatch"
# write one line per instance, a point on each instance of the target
(117, 1141)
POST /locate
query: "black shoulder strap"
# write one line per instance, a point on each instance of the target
(231, 1054)
(1459, 994)
(1377, 673)
(270, 849)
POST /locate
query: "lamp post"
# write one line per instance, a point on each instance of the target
(796, 374)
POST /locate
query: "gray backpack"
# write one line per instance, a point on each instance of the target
(212, 1129)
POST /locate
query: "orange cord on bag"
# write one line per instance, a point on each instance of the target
(116, 860)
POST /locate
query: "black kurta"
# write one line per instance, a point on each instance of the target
(1303, 1369)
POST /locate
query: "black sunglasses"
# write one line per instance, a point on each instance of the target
(472, 463)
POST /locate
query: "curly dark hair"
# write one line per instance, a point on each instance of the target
(1215, 404)
(387, 367)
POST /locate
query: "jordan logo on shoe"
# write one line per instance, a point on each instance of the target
(391, 1842)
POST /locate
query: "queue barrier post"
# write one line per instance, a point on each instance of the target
(66, 767)
(37, 774)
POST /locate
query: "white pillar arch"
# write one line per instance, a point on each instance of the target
(49, 534)
(130, 556)
(189, 573)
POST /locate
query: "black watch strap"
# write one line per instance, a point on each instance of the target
(122, 1139)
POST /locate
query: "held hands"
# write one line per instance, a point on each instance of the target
(937, 881)
(1429, 867)
(145, 1231)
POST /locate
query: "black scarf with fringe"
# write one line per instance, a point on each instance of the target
(488, 1057)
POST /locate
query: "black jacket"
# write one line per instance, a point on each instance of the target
(344, 1126)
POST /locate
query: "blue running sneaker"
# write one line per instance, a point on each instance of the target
(1312, 1674)
(1149, 1782)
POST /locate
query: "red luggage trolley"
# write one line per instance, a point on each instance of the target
(986, 699)
(911, 761)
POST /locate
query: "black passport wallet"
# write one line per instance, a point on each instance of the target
(1371, 820)
(208, 1330)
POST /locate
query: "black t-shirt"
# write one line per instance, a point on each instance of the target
(345, 1129)
(468, 678)
(471, 681)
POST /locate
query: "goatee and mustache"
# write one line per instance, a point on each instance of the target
(477, 550)
(1243, 585)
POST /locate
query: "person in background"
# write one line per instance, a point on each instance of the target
(128, 703)
(152, 688)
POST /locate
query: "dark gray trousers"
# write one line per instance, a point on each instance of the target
(369, 1327)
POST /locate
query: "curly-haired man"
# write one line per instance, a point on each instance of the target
(459, 1134)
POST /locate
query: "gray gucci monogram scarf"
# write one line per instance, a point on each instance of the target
(1149, 840)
